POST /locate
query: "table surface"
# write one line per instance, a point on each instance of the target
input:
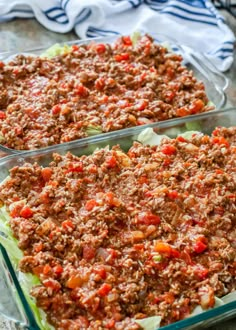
(23, 34)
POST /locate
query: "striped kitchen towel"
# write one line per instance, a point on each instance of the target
(195, 23)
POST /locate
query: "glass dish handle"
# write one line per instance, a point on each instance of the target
(204, 65)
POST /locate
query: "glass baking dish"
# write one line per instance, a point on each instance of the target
(13, 303)
(215, 82)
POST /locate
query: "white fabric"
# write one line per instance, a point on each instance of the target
(194, 23)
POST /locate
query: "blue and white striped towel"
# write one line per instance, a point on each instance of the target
(195, 23)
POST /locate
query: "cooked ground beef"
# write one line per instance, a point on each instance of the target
(114, 237)
(93, 88)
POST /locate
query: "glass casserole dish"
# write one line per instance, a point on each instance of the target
(24, 130)
(17, 308)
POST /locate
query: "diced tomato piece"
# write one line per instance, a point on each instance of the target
(181, 139)
(141, 105)
(173, 194)
(175, 253)
(103, 99)
(90, 204)
(75, 47)
(143, 76)
(156, 300)
(113, 253)
(56, 109)
(65, 110)
(167, 162)
(122, 57)
(111, 199)
(104, 289)
(216, 131)
(92, 168)
(148, 194)
(168, 149)
(68, 224)
(127, 40)
(169, 95)
(63, 101)
(75, 168)
(46, 173)
(58, 269)
(26, 212)
(2, 115)
(38, 270)
(46, 269)
(149, 218)
(110, 324)
(201, 272)
(81, 90)
(163, 248)
(16, 71)
(74, 281)
(101, 271)
(100, 84)
(219, 171)
(88, 252)
(181, 112)
(168, 297)
(111, 162)
(199, 247)
(143, 179)
(100, 48)
(202, 239)
(138, 247)
(15, 212)
(53, 284)
(170, 72)
(196, 106)
(147, 48)
(221, 141)
(2, 64)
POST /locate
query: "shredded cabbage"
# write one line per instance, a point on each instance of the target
(150, 323)
(148, 136)
(193, 126)
(93, 130)
(56, 50)
(135, 37)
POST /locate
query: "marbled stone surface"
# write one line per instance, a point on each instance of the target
(27, 34)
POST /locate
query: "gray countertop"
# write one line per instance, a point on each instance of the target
(26, 34)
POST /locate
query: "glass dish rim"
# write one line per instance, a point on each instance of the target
(190, 321)
(208, 68)
(118, 133)
(115, 134)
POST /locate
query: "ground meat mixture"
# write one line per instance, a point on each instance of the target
(117, 236)
(92, 89)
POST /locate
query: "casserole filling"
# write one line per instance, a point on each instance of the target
(92, 89)
(116, 237)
